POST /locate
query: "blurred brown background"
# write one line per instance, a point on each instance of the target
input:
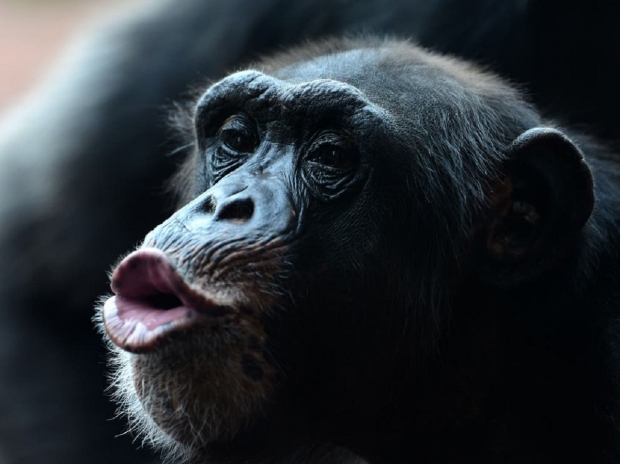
(33, 34)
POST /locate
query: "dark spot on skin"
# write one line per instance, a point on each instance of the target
(251, 367)
(116, 284)
(216, 311)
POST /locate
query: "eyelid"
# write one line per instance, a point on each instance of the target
(238, 133)
(235, 121)
(335, 138)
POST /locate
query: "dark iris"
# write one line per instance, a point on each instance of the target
(333, 150)
(237, 134)
(333, 156)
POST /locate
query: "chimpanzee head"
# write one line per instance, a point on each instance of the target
(337, 200)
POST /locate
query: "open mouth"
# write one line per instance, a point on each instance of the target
(152, 302)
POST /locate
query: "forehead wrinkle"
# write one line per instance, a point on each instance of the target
(237, 89)
(271, 98)
(320, 98)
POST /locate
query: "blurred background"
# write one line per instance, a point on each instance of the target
(34, 33)
(83, 162)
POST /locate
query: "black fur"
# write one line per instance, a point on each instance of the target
(414, 253)
(84, 162)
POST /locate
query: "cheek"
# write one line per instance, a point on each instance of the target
(347, 239)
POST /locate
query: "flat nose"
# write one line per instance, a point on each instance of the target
(261, 204)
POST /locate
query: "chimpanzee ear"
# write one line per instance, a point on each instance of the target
(537, 211)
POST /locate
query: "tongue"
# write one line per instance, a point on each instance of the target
(152, 301)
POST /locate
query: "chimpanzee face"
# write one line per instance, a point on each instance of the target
(331, 202)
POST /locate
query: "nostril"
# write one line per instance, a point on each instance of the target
(209, 205)
(236, 210)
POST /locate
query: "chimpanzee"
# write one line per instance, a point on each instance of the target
(84, 160)
(380, 248)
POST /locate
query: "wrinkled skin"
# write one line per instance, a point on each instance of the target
(366, 233)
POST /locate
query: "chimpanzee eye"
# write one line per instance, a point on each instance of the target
(334, 151)
(238, 134)
(333, 156)
(331, 165)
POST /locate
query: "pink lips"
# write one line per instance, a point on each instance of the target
(152, 301)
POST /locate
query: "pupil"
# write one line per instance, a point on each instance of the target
(333, 156)
(238, 141)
